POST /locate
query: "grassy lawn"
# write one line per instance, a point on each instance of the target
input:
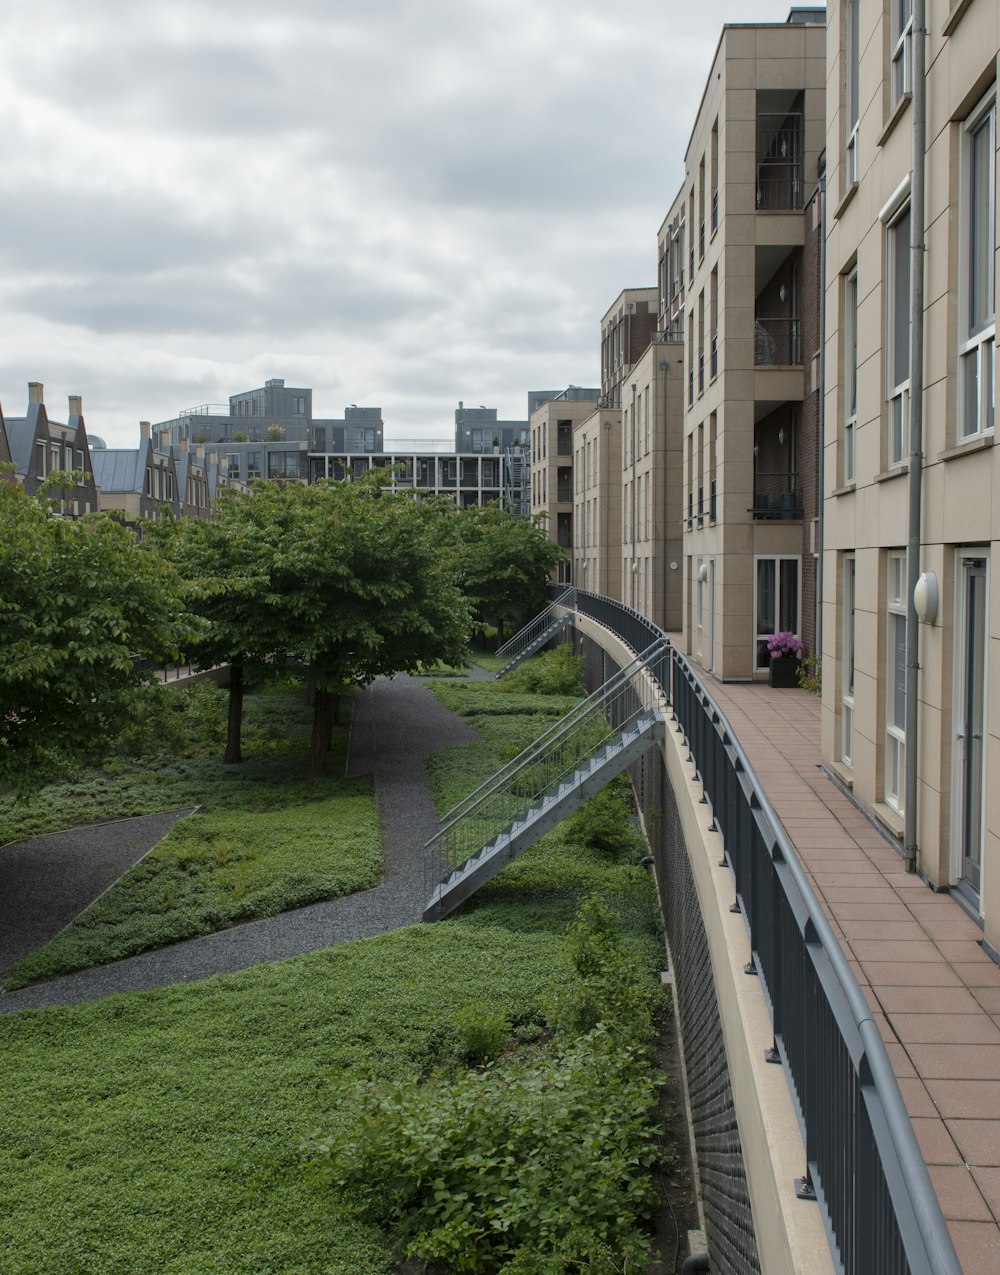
(267, 841)
(167, 1131)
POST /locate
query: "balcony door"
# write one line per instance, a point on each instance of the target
(969, 718)
(777, 603)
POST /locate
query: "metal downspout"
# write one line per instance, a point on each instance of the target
(913, 543)
(821, 406)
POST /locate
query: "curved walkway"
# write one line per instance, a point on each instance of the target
(397, 724)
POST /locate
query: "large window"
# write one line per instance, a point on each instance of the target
(895, 680)
(977, 291)
(901, 46)
(897, 343)
(850, 375)
(847, 662)
(776, 604)
(852, 114)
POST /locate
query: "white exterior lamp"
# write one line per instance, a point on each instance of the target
(925, 597)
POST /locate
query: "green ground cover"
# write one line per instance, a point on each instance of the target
(267, 841)
(171, 1130)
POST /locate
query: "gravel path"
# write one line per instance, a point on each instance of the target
(47, 881)
(397, 724)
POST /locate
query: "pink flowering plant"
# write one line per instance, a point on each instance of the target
(784, 644)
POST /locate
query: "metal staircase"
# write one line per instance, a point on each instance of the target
(570, 762)
(537, 632)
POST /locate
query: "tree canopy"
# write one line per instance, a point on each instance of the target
(82, 603)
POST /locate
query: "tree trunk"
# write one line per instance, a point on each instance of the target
(324, 713)
(234, 726)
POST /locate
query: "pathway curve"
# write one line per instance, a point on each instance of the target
(397, 724)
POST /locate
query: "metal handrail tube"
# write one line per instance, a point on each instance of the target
(811, 972)
(820, 939)
(546, 615)
(545, 741)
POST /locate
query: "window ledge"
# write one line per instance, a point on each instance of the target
(849, 194)
(955, 14)
(977, 443)
(889, 818)
(843, 773)
(898, 111)
(843, 491)
(897, 471)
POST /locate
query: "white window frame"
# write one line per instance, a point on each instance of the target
(850, 376)
(897, 392)
(901, 44)
(760, 670)
(977, 346)
(852, 58)
(895, 732)
(848, 655)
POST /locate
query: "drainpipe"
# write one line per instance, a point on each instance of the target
(819, 194)
(913, 545)
(632, 502)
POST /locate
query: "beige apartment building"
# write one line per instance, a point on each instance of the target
(597, 503)
(738, 272)
(870, 393)
(651, 462)
(551, 441)
(626, 331)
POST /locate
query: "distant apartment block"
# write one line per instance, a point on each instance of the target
(551, 428)
(739, 260)
(626, 331)
(39, 446)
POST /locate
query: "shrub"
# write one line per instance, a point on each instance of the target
(556, 672)
(607, 822)
(478, 1034)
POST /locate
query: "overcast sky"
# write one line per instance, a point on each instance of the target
(400, 203)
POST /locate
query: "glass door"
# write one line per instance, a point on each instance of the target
(970, 655)
(776, 604)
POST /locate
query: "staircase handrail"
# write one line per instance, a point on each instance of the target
(546, 615)
(587, 708)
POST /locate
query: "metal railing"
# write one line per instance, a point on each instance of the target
(776, 341)
(779, 160)
(862, 1158)
(622, 702)
(776, 495)
(513, 647)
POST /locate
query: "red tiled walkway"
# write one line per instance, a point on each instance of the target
(935, 993)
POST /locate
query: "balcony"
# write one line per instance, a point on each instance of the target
(777, 342)
(779, 160)
(776, 496)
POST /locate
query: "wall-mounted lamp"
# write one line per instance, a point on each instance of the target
(673, 566)
(925, 597)
(703, 572)
(782, 293)
(781, 436)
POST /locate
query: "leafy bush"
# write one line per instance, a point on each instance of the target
(540, 1161)
(607, 822)
(479, 1034)
(555, 672)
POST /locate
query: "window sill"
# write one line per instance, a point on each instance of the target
(897, 471)
(849, 194)
(898, 111)
(843, 491)
(954, 16)
(889, 818)
(977, 443)
(843, 773)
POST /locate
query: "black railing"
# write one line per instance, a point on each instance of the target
(714, 356)
(564, 492)
(715, 210)
(776, 341)
(701, 371)
(862, 1157)
(779, 160)
(776, 495)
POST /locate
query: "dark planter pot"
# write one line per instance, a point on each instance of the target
(784, 671)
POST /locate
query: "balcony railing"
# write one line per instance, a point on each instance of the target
(779, 161)
(701, 239)
(715, 210)
(714, 356)
(564, 491)
(862, 1157)
(776, 495)
(777, 341)
(701, 371)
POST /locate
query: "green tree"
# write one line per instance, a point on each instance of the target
(81, 604)
(344, 579)
(501, 561)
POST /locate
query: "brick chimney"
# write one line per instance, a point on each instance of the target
(144, 429)
(75, 405)
(36, 392)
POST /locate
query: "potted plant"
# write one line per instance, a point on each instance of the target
(785, 650)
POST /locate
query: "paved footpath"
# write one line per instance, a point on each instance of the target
(397, 724)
